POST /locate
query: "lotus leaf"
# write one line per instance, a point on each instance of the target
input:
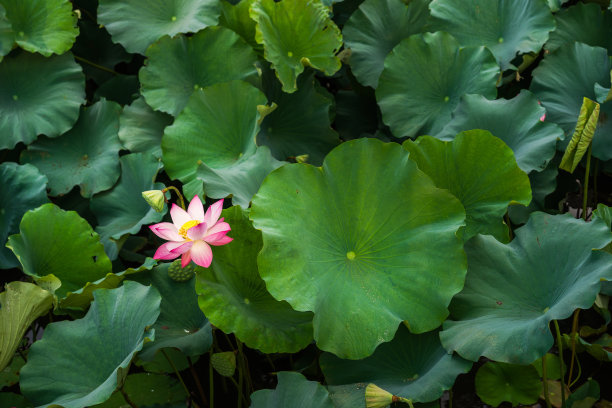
(10, 375)
(480, 170)
(38, 96)
(141, 128)
(146, 390)
(87, 155)
(412, 366)
(293, 390)
(61, 246)
(102, 345)
(217, 127)
(178, 66)
(235, 299)
(499, 382)
(585, 23)
(122, 210)
(585, 396)
(295, 34)
(583, 135)
(236, 17)
(600, 348)
(7, 37)
(555, 5)
(424, 78)
(375, 29)
(532, 140)
(23, 188)
(20, 304)
(136, 24)
(553, 368)
(506, 27)
(542, 184)
(13, 400)
(513, 291)
(361, 269)
(43, 26)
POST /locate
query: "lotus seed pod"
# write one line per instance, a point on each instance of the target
(224, 363)
(155, 198)
(179, 274)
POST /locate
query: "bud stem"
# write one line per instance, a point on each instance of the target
(179, 195)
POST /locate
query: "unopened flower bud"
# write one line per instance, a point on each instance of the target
(155, 198)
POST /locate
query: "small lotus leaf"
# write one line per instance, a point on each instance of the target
(360, 268)
(585, 23)
(555, 5)
(43, 26)
(10, 375)
(101, 347)
(424, 78)
(295, 34)
(480, 170)
(59, 245)
(141, 128)
(147, 390)
(513, 291)
(498, 382)
(20, 304)
(532, 140)
(87, 155)
(585, 396)
(235, 299)
(375, 29)
(38, 96)
(293, 390)
(136, 24)
(412, 366)
(23, 188)
(177, 66)
(506, 27)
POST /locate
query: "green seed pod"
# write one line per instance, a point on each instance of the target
(224, 363)
(178, 274)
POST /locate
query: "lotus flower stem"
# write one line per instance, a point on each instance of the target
(585, 191)
(211, 385)
(595, 173)
(573, 344)
(560, 347)
(545, 383)
(194, 374)
(178, 194)
(175, 371)
(93, 64)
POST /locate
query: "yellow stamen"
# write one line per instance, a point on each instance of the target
(186, 226)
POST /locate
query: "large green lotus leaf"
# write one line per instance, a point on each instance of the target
(424, 78)
(141, 128)
(412, 366)
(87, 155)
(136, 24)
(376, 28)
(506, 27)
(498, 382)
(217, 127)
(20, 304)
(147, 390)
(181, 323)
(542, 184)
(295, 34)
(361, 269)
(80, 363)
(177, 66)
(293, 390)
(241, 180)
(532, 140)
(585, 23)
(513, 291)
(38, 95)
(563, 79)
(122, 210)
(235, 299)
(43, 26)
(301, 122)
(236, 17)
(7, 37)
(59, 245)
(23, 188)
(480, 170)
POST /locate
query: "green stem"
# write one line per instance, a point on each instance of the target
(509, 226)
(450, 398)
(545, 383)
(245, 365)
(178, 194)
(127, 398)
(595, 173)
(176, 371)
(211, 386)
(585, 191)
(573, 343)
(560, 347)
(93, 64)
(194, 374)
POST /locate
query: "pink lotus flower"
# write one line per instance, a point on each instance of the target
(191, 233)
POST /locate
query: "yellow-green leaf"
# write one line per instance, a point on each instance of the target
(581, 139)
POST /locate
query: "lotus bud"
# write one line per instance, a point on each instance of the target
(376, 397)
(155, 198)
(302, 158)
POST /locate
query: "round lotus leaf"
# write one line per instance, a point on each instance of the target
(513, 291)
(412, 366)
(7, 37)
(87, 155)
(23, 188)
(147, 390)
(424, 78)
(136, 24)
(585, 23)
(178, 66)
(375, 29)
(100, 348)
(122, 210)
(43, 26)
(532, 140)
(295, 34)
(141, 128)
(38, 96)
(563, 79)
(59, 245)
(480, 170)
(506, 27)
(361, 269)
(542, 184)
(499, 382)
(293, 390)
(234, 297)
(216, 128)
(236, 17)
